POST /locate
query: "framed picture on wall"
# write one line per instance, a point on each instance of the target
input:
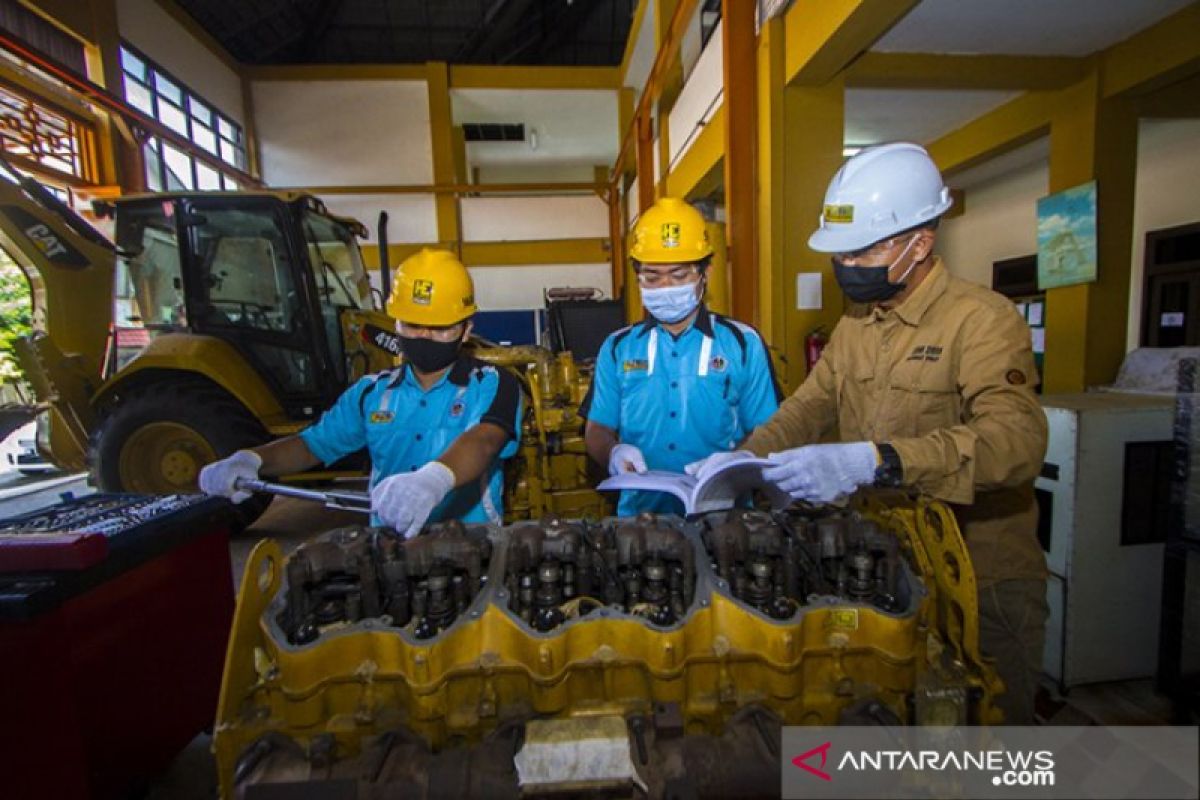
(1066, 234)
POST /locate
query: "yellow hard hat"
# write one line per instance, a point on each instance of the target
(670, 232)
(433, 288)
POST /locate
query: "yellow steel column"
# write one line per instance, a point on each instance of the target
(717, 294)
(800, 147)
(741, 122)
(671, 85)
(441, 129)
(1093, 138)
(120, 158)
(645, 162)
(461, 173)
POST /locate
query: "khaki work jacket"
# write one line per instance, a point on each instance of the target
(946, 378)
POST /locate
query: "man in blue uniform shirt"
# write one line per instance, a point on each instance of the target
(684, 383)
(434, 426)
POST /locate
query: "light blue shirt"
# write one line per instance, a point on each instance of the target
(680, 399)
(404, 426)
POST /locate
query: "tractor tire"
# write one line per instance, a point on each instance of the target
(155, 439)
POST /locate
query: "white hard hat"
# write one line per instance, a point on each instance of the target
(876, 194)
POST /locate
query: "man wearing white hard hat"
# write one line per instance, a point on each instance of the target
(928, 380)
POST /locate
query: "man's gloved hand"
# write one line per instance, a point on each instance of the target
(219, 477)
(823, 473)
(405, 501)
(626, 458)
(705, 466)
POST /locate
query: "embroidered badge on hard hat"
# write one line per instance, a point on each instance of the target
(840, 214)
(422, 291)
(670, 234)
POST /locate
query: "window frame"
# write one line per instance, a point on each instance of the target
(194, 106)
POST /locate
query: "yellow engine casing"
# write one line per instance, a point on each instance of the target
(353, 682)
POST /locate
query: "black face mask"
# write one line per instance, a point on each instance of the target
(428, 355)
(866, 284)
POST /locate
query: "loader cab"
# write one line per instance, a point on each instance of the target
(268, 274)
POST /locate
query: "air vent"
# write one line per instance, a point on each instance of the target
(493, 132)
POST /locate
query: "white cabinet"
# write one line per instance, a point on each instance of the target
(1105, 483)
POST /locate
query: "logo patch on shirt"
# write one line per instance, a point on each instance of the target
(381, 417)
(926, 352)
(458, 408)
(718, 364)
(1015, 377)
(422, 291)
(670, 234)
(841, 214)
(635, 365)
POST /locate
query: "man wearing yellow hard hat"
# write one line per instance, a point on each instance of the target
(685, 382)
(433, 426)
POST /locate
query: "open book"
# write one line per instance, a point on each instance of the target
(719, 489)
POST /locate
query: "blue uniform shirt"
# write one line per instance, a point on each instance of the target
(404, 426)
(680, 399)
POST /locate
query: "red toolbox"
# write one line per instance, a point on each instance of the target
(114, 615)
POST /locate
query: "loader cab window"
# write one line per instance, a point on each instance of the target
(148, 298)
(338, 275)
(246, 289)
(243, 265)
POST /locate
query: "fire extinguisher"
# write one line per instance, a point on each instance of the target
(814, 345)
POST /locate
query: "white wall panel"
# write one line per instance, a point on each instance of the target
(411, 218)
(1167, 177)
(343, 133)
(147, 27)
(699, 99)
(641, 61)
(1000, 222)
(505, 219)
(509, 288)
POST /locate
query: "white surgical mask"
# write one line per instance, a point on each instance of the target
(670, 304)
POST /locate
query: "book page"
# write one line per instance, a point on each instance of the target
(721, 488)
(675, 483)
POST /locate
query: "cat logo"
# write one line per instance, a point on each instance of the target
(718, 364)
(381, 417)
(635, 365)
(458, 408)
(670, 234)
(422, 291)
(839, 214)
(47, 242)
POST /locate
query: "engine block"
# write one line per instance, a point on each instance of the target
(389, 663)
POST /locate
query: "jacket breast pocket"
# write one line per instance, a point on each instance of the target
(927, 396)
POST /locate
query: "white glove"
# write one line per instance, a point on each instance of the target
(626, 458)
(219, 477)
(705, 466)
(405, 501)
(823, 473)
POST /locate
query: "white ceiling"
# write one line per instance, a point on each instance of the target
(915, 115)
(575, 127)
(1036, 152)
(1023, 27)
(1011, 27)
